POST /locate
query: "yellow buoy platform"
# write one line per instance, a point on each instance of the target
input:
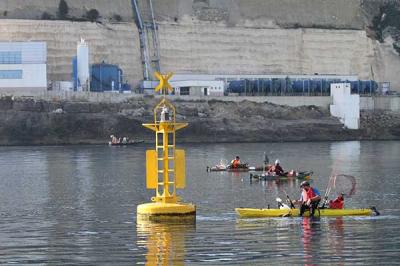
(165, 165)
(157, 211)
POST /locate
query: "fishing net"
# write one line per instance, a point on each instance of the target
(341, 184)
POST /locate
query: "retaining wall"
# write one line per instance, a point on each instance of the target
(391, 103)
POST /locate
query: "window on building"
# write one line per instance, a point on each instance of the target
(184, 91)
(10, 74)
(10, 57)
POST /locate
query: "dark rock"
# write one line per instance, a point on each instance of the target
(6, 103)
(26, 121)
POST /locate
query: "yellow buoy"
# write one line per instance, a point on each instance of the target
(165, 166)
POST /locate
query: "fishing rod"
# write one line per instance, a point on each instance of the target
(328, 190)
(289, 200)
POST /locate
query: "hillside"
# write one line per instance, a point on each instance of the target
(217, 36)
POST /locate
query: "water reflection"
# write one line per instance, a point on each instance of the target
(276, 185)
(310, 238)
(164, 241)
(345, 157)
(335, 237)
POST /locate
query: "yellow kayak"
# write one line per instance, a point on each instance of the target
(258, 213)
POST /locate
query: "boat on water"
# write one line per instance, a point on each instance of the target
(290, 175)
(260, 213)
(132, 142)
(241, 168)
(125, 141)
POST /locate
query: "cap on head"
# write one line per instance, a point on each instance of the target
(304, 184)
(277, 161)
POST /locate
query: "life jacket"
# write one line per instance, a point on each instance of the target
(308, 195)
(235, 163)
(338, 203)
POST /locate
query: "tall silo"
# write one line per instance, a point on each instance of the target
(82, 51)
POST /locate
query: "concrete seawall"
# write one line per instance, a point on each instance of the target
(390, 103)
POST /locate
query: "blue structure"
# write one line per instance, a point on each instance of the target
(287, 86)
(75, 79)
(106, 77)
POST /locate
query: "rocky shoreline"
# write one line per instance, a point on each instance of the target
(39, 122)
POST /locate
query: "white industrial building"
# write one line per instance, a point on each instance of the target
(345, 106)
(199, 87)
(23, 67)
(192, 87)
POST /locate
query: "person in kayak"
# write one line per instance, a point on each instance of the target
(338, 203)
(235, 163)
(114, 140)
(309, 200)
(277, 168)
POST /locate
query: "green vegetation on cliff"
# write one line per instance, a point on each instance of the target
(388, 22)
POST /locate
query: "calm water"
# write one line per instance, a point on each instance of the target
(77, 205)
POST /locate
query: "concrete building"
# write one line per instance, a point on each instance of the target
(23, 66)
(188, 85)
(199, 87)
(345, 106)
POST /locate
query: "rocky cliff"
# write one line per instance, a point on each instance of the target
(26, 122)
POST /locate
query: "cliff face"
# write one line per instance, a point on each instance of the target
(214, 49)
(34, 9)
(39, 122)
(216, 36)
(283, 13)
(338, 14)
